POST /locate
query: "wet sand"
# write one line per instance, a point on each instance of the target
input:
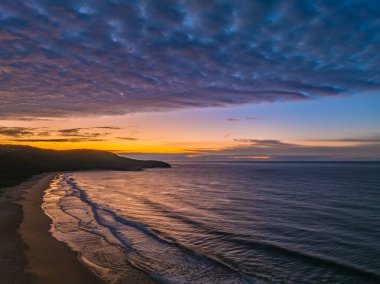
(28, 253)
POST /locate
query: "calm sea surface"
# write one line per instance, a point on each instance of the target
(223, 223)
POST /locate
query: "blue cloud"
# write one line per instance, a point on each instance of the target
(60, 58)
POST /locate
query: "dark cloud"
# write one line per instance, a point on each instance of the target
(42, 133)
(23, 131)
(107, 127)
(31, 119)
(127, 138)
(70, 131)
(374, 139)
(85, 131)
(60, 58)
(265, 143)
(79, 134)
(16, 131)
(234, 119)
(58, 140)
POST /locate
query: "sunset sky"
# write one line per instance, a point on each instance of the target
(202, 80)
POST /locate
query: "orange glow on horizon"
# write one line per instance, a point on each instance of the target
(194, 134)
(260, 157)
(112, 147)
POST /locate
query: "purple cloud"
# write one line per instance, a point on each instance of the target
(61, 58)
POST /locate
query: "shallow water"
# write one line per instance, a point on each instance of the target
(224, 223)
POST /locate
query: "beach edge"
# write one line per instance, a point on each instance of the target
(36, 256)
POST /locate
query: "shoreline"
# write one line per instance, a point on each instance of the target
(32, 254)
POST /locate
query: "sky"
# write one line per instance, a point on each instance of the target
(196, 80)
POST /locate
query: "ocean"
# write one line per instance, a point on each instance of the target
(223, 222)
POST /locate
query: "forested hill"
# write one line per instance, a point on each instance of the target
(18, 162)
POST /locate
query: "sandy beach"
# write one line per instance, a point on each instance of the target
(29, 254)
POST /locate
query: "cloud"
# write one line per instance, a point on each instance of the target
(235, 119)
(64, 58)
(262, 143)
(59, 140)
(248, 149)
(373, 139)
(78, 132)
(23, 131)
(127, 138)
(86, 131)
(32, 134)
(70, 131)
(16, 131)
(32, 119)
(107, 127)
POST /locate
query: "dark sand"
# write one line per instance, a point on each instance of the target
(28, 253)
(12, 250)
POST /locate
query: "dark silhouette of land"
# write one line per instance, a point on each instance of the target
(18, 163)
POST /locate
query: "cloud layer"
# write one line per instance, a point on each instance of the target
(256, 149)
(44, 134)
(60, 58)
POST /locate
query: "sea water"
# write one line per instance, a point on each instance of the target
(223, 222)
